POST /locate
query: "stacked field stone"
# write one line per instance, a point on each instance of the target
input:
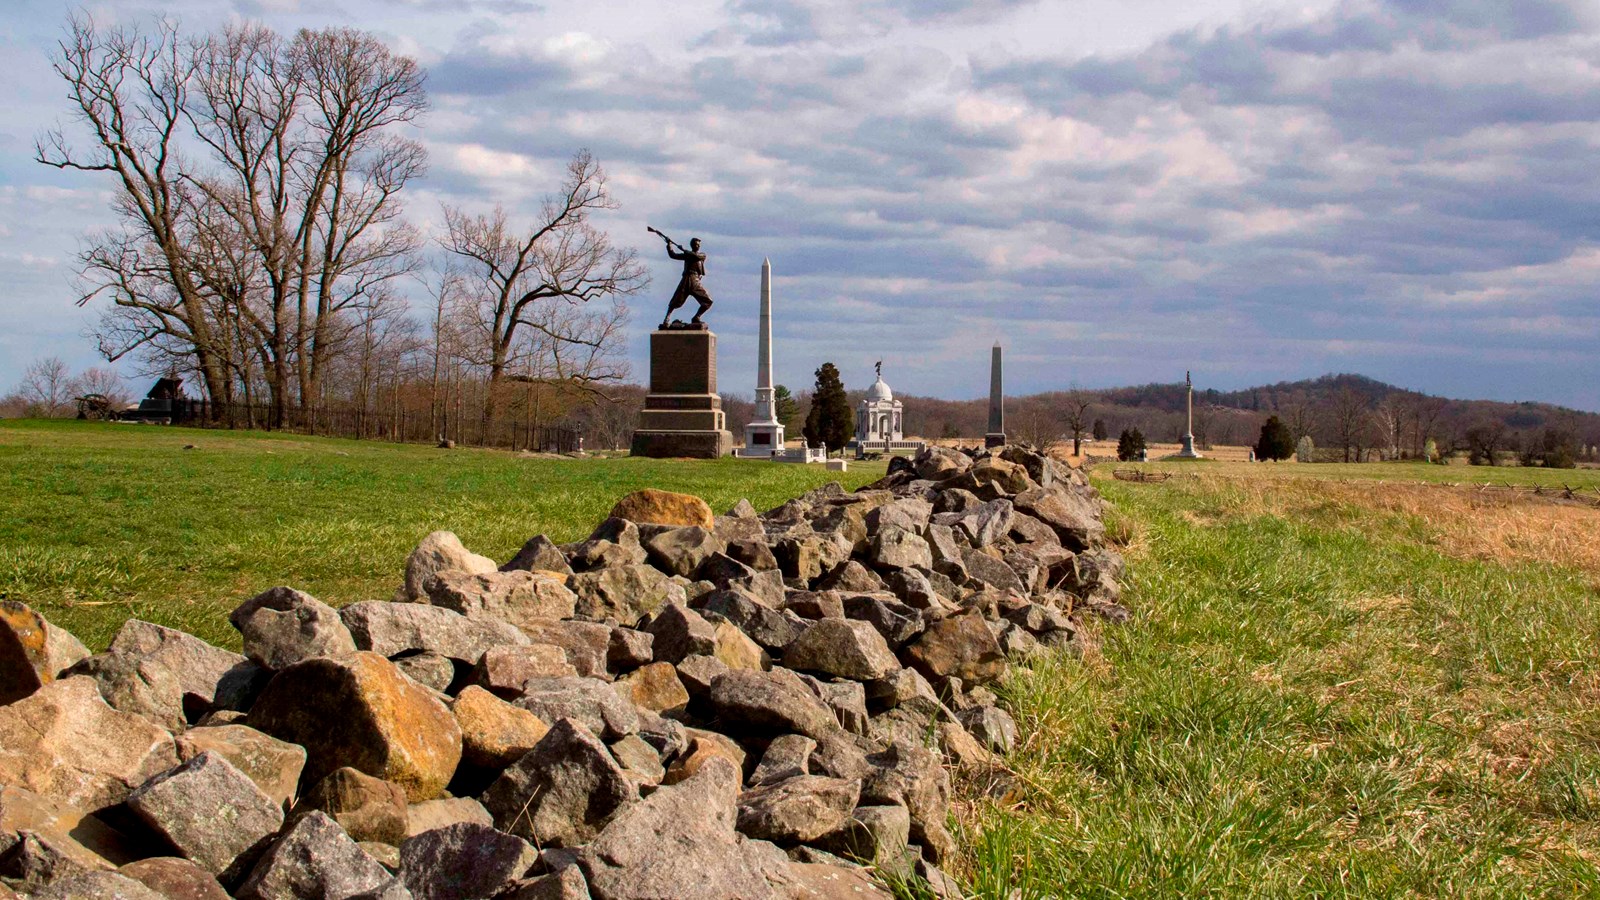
(682, 705)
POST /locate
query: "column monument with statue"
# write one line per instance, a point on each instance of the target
(682, 415)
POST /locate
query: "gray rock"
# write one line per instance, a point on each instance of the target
(629, 649)
(814, 604)
(390, 629)
(428, 669)
(913, 777)
(787, 756)
(438, 552)
(940, 463)
(625, 593)
(754, 552)
(669, 738)
(766, 626)
(775, 702)
(946, 552)
(847, 648)
(539, 554)
(872, 835)
(987, 522)
(679, 842)
(847, 699)
(639, 759)
(395, 889)
(591, 702)
(563, 791)
(1036, 617)
(586, 644)
(513, 597)
(1016, 642)
(992, 726)
(852, 577)
(904, 687)
(897, 622)
(165, 675)
(984, 568)
(283, 626)
(272, 764)
(798, 809)
(840, 755)
(897, 548)
(742, 510)
(365, 808)
(696, 673)
(1074, 516)
(212, 813)
(680, 632)
(1025, 529)
(431, 814)
(313, 858)
(504, 670)
(908, 514)
(799, 558)
(463, 862)
(956, 500)
(681, 551)
(915, 590)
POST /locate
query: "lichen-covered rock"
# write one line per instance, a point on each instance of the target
(283, 626)
(439, 552)
(962, 646)
(625, 593)
(494, 733)
(272, 764)
(94, 885)
(359, 711)
(768, 627)
(366, 808)
(64, 743)
(563, 791)
(32, 651)
(894, 547)
(655, 687)
(847, 648)
(463, 862)
(390, 629)
(427, 668)
(313, 858)
(991, 725)
(655, 507)
(211, 812)
(679, 842)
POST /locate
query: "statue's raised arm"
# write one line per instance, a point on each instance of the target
(689, 285)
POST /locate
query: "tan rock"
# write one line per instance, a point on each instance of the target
(367, 808)
(962, 646)
(655, 507)
(514, 597)
(83, 839)
(655, 687)
(360, 711)
(704, 746)
(65, 743)
(494, 734)
(1009, 476)
(175, 878)
(439, 552)
(431, 814)
(272, 764)
(736, 650)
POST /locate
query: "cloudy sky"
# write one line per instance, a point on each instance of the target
(1117, 190)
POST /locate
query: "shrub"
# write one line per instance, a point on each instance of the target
(1130, 444)
(1276, 442)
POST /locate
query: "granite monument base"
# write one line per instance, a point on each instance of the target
(993, 440)
(682, 414)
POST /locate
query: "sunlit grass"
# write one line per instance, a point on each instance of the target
(101, 522)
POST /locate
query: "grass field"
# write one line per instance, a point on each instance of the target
(1329, 689)
(100, 522)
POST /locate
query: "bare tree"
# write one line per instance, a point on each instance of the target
(47, 387)
(1389, 424)
(1075, 411)
(536, 286)
(103, 381)
(1349, 414)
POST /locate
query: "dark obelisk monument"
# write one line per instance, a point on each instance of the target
(682, 414)
(997, 408)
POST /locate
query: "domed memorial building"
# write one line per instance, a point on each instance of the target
(878, 423)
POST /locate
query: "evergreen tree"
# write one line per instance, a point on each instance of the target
(1130, 444)
(1099, 429)
(783, 405)
(1276, 440)
(830, 420)
(1306, 450)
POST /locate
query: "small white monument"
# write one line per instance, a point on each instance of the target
(878, 422)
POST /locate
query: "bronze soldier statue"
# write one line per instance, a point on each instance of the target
(694, 268)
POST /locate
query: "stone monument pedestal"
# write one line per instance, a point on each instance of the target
(682, 414)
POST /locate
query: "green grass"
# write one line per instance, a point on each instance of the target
(101, 522)
(1313, 700)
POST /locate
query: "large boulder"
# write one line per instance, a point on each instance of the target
(960, 646)
(211, 812)
(655, 507)
(562, 791)
(439, 552)
(64, 743)
(513, 597)
(274, 765)
(390, 629)
(847, 648)
(463, 862)
(359, 711)
(32, 651)
(283, 626)
(168, 676)
(313, 858)
(1075, 516)
(679, 842)
(494, 733)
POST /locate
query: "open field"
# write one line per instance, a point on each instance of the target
(100, 522)
(1329, 689)
(1402, 472)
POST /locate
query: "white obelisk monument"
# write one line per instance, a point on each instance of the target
(764, 434)
(1188, 451)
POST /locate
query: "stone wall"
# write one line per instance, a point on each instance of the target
(683, 705)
